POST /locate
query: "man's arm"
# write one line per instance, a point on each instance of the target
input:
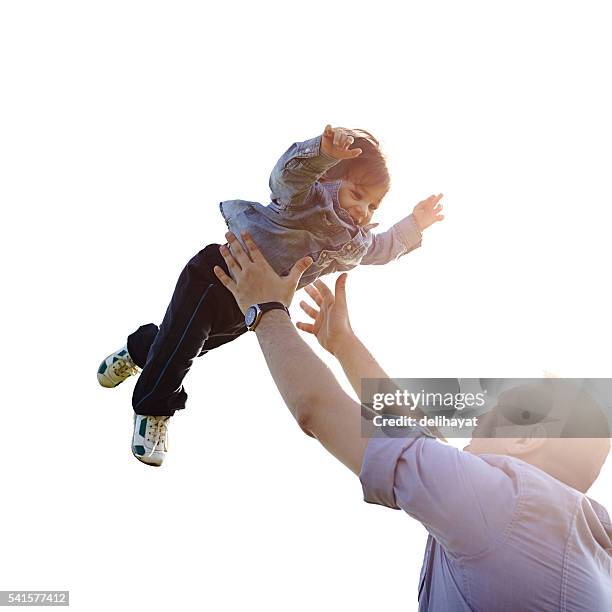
(332, 327)
(449, 491)
(304, 163)
(309, 389)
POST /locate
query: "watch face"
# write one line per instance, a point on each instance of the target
(250, 316)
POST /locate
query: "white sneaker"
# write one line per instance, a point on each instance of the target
(150, 439)
(116, 368)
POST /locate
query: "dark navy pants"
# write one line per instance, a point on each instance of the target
(202, 315)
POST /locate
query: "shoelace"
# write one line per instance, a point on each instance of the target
(125, 367)
(163, 432)
(157, 432)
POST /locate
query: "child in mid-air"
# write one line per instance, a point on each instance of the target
(324, 193)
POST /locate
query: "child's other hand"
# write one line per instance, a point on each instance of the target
(335, 142)
(428, 212)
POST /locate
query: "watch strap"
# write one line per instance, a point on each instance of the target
(267, 306)
(263, 308)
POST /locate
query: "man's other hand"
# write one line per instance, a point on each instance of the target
(331, 321)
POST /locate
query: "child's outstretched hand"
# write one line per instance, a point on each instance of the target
(335, 142)
(428, 211)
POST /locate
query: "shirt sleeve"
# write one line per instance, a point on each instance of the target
(400, 239)
(462, 501)
(296, 172)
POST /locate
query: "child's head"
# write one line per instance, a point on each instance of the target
(365, 179)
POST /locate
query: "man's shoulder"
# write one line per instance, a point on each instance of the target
(540, 494)
(531, 479)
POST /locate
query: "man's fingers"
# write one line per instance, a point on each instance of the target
(299, 268)
(309, 310)
(224, 278)
(313, 292)
(254, 252)
(341, 290)
(231, 262)
(241, 256)
(324, 290)
(307, 327)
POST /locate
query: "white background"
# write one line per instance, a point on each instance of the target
(122, 126)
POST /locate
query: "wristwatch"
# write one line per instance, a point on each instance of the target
(254, 313)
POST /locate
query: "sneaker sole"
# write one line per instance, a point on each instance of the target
(106, 382)
(140, 458)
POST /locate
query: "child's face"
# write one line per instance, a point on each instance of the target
(360, 202)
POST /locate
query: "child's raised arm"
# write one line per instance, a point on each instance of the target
(305, 162)
(405, 235)
(398, 240)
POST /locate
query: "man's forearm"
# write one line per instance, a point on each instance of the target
(357, 362)
(301, 377)
(314, 397)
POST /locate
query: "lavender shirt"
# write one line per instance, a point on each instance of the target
(503, 535)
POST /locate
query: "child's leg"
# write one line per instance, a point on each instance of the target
(139, 343)
(201, 307)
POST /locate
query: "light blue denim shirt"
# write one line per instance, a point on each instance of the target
(304, 218)
(504, 535)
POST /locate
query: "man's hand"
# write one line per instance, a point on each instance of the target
(254, 281)
(335, 142)
(331, 322)
(428, 212)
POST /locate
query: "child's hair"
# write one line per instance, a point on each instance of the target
(368, 169)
